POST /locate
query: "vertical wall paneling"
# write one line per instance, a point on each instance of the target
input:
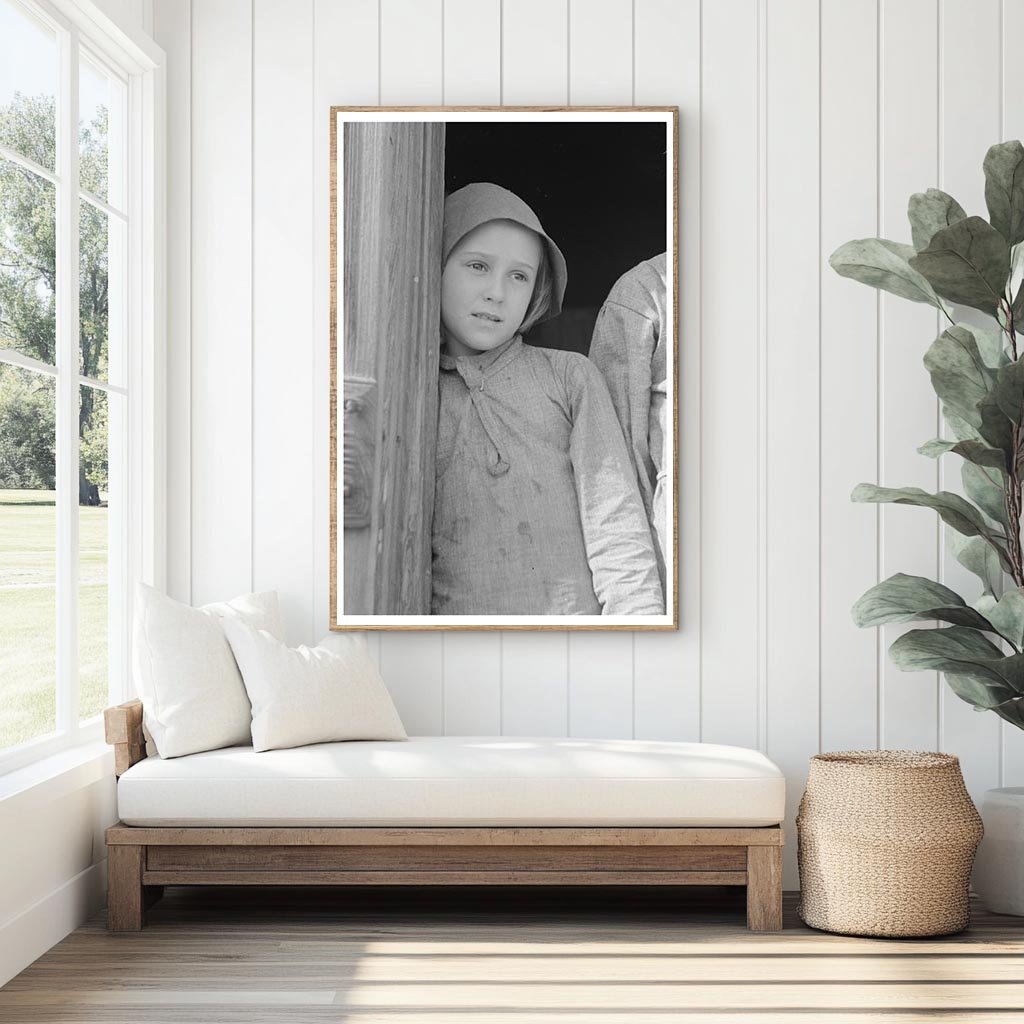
(909, 414)
(535, 70)
(410, 52)
(666, 666)
(795, 137)
(472, 684)
(534, 694)
(172, 29)
(534, 683)
(472, 52)
(412, 665)
(601, 53)
(849, 368)
(730, 197)
(472, 661)
(1012, 127)
(221, 370)
(968, 125)
(792, 384)
(411, 72)
(601, 684)
(601, 665)
(534, 55)
(346, 73)
(283, 339)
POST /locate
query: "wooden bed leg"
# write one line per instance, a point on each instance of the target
(125, 896)
(764, 888)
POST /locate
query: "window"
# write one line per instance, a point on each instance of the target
(77, 269)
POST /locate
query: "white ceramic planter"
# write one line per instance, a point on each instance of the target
(998, 877)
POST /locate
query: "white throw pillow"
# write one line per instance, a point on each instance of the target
(309, 694)
(192, 693)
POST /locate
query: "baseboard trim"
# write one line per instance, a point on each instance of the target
(26, 937)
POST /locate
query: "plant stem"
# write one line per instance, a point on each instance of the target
(1013, 482)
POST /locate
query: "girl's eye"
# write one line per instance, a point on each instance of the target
(520, 276)
(477, 265)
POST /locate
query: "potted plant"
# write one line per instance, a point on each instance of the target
(978, 374)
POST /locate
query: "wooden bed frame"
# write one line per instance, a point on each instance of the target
(142, 860)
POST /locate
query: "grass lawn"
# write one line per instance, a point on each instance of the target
(28, 614)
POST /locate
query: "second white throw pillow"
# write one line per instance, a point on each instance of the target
(311, 695)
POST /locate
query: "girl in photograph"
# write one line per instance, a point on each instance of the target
(536, 509)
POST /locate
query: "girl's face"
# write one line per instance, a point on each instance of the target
(486, 286)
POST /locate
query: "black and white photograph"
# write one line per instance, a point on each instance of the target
(503, 368)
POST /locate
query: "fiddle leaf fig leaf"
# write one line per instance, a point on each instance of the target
(996, 428)
(962, 430)
(883, 264)
(976, 555)
(1006, 614)
(1013, 285)
(1011, 710)
(1009, 390)
(936, 447)
(920, 649)
(952, 509)
(962, 651)
(929, 212)
(1017, 309)
(985, 487)
(990, 345)
(967, 263)
(1004, 189)
(903, 598)
(982, 693)
(973, 451)
(959, 374)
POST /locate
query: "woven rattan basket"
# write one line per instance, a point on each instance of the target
(885, 841)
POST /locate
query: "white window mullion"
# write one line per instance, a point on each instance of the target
(67, 387)
(129, 469)
(30, 165)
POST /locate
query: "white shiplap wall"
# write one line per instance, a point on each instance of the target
(803, 123)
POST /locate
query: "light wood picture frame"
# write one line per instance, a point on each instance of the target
(490, 469)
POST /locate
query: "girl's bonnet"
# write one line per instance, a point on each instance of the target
(481, 202)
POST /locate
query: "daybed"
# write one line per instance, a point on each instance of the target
(444, 811)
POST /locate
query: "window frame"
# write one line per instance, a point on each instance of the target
(140, 64)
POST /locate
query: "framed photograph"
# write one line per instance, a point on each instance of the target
(504, 352)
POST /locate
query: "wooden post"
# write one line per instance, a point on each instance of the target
(384, 391)
(124, 888)
(764, 888)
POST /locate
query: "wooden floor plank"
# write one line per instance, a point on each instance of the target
(600, 956)
(158, 969)
(537, 997)
(331, 1014)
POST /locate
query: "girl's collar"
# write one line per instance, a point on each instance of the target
(484, 360)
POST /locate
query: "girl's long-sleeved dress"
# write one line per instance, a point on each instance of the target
(536, 509)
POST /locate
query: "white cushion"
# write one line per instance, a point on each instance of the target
(191, 691)
(309, 694)
(457, 780)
